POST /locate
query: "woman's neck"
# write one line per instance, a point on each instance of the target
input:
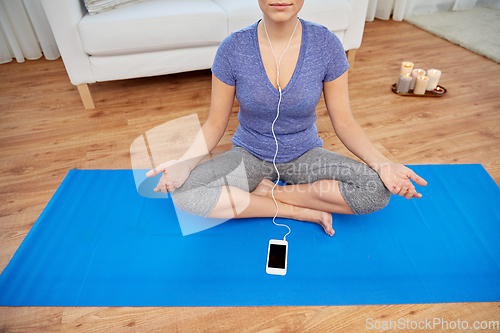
(280, 32)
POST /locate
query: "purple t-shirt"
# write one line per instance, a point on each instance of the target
(238, 63)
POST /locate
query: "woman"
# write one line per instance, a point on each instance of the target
(288, 61)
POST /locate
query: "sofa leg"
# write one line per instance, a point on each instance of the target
(351, 54)
(84, 91)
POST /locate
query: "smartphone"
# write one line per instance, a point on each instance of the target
(277, 254)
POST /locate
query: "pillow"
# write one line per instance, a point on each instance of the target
(99, 6)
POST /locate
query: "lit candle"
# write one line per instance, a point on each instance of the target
(421, 85)
(438, 91)
(406, 67)
(404, 83)
(434, 76)
(414, 74)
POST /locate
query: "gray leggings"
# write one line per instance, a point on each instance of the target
(360, 185)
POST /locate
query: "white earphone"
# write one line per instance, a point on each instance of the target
(277, 115)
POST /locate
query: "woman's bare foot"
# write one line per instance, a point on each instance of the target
(324, 219)
(326, 222)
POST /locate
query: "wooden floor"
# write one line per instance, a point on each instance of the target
(45, 131)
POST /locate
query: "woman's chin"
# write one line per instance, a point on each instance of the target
(281, 16)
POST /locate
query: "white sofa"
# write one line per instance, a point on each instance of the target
(159, 37)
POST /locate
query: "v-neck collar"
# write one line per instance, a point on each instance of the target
(297, 65)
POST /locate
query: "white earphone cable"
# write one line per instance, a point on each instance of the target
(277, 115)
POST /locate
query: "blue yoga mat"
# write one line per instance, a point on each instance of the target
(99, 243)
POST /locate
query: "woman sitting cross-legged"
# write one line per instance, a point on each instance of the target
(278, 68)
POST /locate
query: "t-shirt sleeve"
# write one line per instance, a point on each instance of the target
(334, 53)
(221, 67)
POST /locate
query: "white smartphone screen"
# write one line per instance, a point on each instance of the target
(277, 256)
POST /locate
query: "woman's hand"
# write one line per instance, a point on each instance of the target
(174, 175)
(396, 178)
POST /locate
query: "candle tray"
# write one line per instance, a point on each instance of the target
(427, 93)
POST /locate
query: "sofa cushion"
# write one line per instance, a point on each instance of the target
(153, 26)
(334, 14)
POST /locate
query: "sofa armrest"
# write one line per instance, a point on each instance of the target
(64, 16)
(354, 34)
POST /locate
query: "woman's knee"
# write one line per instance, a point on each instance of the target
(199, 201)
(367, 198)
(379, 197)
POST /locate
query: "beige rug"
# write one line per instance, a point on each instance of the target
(477, 30)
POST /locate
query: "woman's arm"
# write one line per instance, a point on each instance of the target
(176, 172)
(346, 127)
(396, 177)
(213, 129)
